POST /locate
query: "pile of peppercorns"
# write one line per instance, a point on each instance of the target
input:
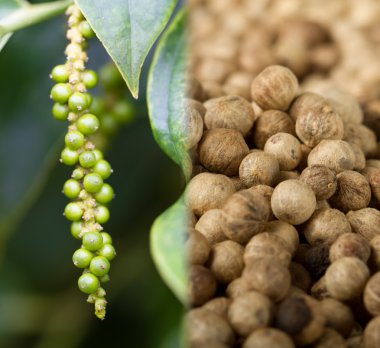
(284, 243)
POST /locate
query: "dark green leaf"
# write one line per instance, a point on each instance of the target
(128, 30)
(166, 92)
(167, 242)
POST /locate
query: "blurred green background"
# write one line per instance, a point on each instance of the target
(40, 304)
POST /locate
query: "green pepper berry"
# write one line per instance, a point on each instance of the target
(90, 78)
(76, 229)
(98, 154)
(60, 73)
(99, 266)
(87, 159)
(98, 106)
(105, 279)
(92, 182)
(74, 140)
(79, 101)
(78, 173)
(103, 168)
(88, 124)
(61, 93)
(105, 195)
(86, 30)
(60, 111)
(109, 125)
(82, 258)
(92, 241)
(102, 214)
(107, 239)
(108, 251)
(71, 188)
(124, 112)
(69, 157)
(110, 77)
(88, 283)
(73, 211)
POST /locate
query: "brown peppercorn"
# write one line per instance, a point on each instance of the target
(374, 260)
(301, 252)
(354, 342)
(208, 191)
(338, 316)
(268, 277)
(371, 336)
(304, 103)
(293, 202)
(212, 89)
(195, 90)
(285, 231)
(204, 326)
(238, 183)
(202, 285)
(316, 120)
(366, 222)
(300, 276)
(267, 245)
(237, 288)
(210, 226)
(350, 244)
(325, 226)
(231, 112)
(244, 215)
(266, 193)
(362, 136)
(305, 150)
(259, 168)
(373, 177)
(321, 179)
(270, 123)
(221, 150)
(274, 88)
(373, 163)
(319, 290)
(226, 261)
(346, 278)
(239, 83)
(359, 157)
(284, 175)
(330, 339)
(268, 338)
(353, 192)
(219, 306)
(302, 318)
(334, 154)
(197, 105)
(372, 295)
(192, 127)
(317, 260)
(214, 70)
(286, 149)
(197, 248)
(324, 57)
(250, 312)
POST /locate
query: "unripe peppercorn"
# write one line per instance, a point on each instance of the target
(300, 276)
(286, 149)
(334, 154)
(268, 338)
(274, 88)
(92, 182)
(202, 285)
(316, 120)
(76, 229)
(60, 111)
(259, 168)
(78, 101)
(92, 241)
(270, 123)
(99, 266)
(197, 248)
(250, 312)
(366, 222)
(61, 93)
(90, 78)
(208, 191)
(293, 202)
(350, 244)
(268, 277)
(203, 326)
(353, 192)
(82, 258)
(88, 124)
(210, 226)
(103, 168)
(73, 211)
(244, 215)
(74, 140)
(102, 214)
(285, 231)
(87, 159)
(226, 261)
(346, 278)
(105, 195)
(338, 316)
(374, 260)
(108, 251)
(371, 335)
(232, 112)
(60, 73)
(71, 188)
(267, 245)
(372, 295)
(221, 150)
(325, 226)
(321, 179)
(302, 318)
(69, 157)
(219, 306)
(88, 283)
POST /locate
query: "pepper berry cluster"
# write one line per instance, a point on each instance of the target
(86, 188)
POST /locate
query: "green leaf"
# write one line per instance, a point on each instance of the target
(167, 243)
(166, 92)
(128, 30)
